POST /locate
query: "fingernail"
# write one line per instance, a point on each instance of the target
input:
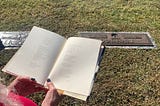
(33, 79)
(48, 80)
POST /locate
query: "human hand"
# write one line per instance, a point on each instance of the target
(25, 86)
(52, 97)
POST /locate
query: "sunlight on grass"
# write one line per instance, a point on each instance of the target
(126, 76)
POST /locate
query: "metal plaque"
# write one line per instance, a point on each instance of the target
(12, 40)
(122, 39)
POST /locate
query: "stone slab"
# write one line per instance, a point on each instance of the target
(122, 39)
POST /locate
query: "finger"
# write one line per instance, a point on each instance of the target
(33, 79)
(26, 79)
(22, 77)
(50, 84)
(52, 87)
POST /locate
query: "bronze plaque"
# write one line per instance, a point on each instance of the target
(121, 38)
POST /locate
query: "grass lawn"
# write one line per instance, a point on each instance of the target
(127, 77)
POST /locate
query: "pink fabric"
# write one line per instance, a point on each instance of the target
(1, 104)
(23, 100)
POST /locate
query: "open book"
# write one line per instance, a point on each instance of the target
(70, 63)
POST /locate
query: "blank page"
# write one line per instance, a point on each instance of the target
(37, 55)
(75, 67)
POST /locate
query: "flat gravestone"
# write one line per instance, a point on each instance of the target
(122, 39)
(12, 40)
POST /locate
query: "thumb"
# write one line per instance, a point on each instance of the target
(51, 87)
(50, 84)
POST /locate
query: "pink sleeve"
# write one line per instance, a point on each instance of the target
(25, 101)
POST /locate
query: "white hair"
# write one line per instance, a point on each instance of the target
(4, 99)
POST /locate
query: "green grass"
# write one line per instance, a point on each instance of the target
(126, 76)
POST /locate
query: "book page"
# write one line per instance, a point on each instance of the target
(79, 96)
(76, 65)
(37, 55)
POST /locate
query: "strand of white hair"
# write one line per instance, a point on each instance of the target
(5, 100)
